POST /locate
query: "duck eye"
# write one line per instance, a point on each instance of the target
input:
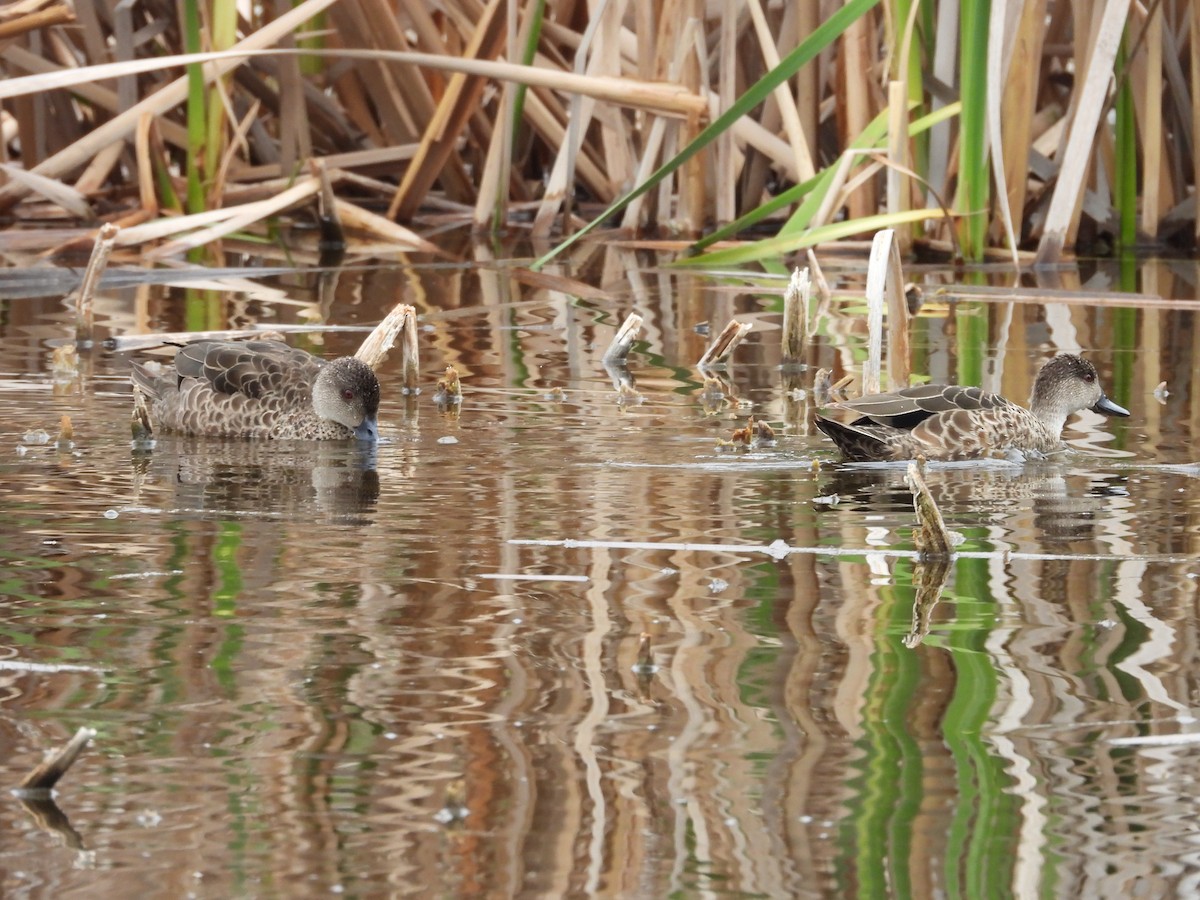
(347, 394)
(1089, 377)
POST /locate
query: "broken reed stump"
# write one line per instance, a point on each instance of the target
(86, 296)
(623, 340)
(720, 350)
(400, 322)
(931, 537)
(56, 763)
(795, 317)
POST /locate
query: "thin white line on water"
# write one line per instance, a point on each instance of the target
(779, 550)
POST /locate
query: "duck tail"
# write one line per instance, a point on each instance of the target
(145, 380)
(856, 444)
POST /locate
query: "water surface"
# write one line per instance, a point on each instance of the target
(421, 671)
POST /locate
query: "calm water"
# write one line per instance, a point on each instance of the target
(318, 672)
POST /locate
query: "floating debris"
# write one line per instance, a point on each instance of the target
(56, 763)
(795, 317)
(86, 295)
(555, 395)
(645, 660)
(754, 433)
(618, 350)
(36, 436)
(1161, 393)
(827, 499)
(721, 349)
(66, 434)
(64, 363)
(449, 389)
(454, 809)
(627, 395)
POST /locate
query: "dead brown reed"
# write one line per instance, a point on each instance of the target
(491, 108)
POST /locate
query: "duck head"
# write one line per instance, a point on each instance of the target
(347, 391)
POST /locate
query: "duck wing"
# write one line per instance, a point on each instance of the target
(251, 368)
(908, 408)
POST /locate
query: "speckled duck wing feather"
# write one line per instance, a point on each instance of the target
(254, 369)
(907, 408)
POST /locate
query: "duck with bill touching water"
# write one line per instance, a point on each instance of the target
(260, 389)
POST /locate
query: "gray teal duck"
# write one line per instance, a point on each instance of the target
(940, 421)
(261, 389)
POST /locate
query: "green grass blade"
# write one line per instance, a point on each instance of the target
(790, 243)
(870, 138)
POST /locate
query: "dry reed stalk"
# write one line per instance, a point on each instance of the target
(1194, 20)
(97, 172)
(125, 123)
(652, 151)
(1018, 106)
(36, 21)
(623, 340)
(856, 111)
(1061, 217)
(788, 111)
(885, 288)
(94, 93)
(725, 156)
(243, 216)
(897, 153)
(795, 316)
(722, 348)
(1150, 114)
(818, 276)
(451, 117)
(55, 191)
(355, 217)
(994, 145)
(56, 764)
(85, 298)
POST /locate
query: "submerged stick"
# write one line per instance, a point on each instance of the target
(85, 298)
(931, 537)
(720, 350)
(56, 763)
(795, 316)
(623, 340)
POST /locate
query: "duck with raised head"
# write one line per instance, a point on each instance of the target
(947, 421)
(261, 389)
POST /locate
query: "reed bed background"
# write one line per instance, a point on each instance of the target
(973, 128)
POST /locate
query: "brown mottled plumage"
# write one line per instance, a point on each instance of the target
(940, 421)
(261, 389)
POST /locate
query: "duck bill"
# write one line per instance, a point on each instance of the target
(368, 430)
(1108, 408)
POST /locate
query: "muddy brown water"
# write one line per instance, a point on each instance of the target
(318, 670)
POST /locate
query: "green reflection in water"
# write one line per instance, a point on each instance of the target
(225, 597)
